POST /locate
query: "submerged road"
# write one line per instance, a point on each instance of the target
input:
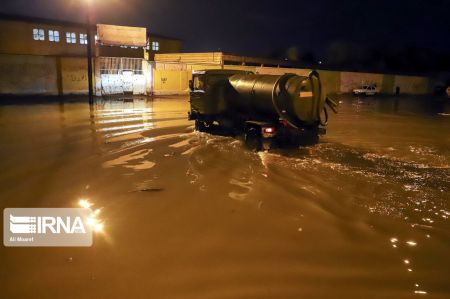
(363, 214)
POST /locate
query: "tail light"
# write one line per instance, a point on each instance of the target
(269, 130)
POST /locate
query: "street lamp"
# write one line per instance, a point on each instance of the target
(89, 51)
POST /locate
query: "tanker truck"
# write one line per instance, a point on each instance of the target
(268, 110)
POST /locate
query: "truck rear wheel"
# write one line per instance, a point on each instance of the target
(253, 140)
(201, 126)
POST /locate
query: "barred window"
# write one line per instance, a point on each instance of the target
(38, 34)
(117, 65)
(83, 39)
(71, 38)
(53, 36)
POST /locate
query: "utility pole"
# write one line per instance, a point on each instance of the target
(89, 52)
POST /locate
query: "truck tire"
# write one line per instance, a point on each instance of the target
(201, 126)
(198, 125)
(266, 144)
(253, 140)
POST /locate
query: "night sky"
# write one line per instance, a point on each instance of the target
(258, 27)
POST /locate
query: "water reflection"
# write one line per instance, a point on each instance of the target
(123, 117)
(411, 105)
(93, 220)
(126, 161)
(364, 211)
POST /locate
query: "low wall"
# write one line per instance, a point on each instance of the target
(413, 84)
(332, 81)
(388, 84)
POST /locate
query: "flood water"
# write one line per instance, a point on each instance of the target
(363, 214)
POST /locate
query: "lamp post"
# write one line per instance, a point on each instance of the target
(89, 51)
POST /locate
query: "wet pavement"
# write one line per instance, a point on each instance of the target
(364, 213)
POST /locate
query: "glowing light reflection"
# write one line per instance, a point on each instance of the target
(420, 292)
(84, 203)
(93, 221)
(98, 227)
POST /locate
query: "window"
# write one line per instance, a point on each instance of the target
(53, 36)
(38, 34)
(155, 46)
(199, 83)
(71, 38)
(83, 39)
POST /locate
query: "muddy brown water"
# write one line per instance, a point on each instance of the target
(363, 214)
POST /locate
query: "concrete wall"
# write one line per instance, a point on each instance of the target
(171, 82)
(351, 80)
(22, 75)
(42, 75)
(413, 84)
(332, 81)
(74, 75)
(387, 83)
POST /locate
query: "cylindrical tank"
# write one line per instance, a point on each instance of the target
(293, 98)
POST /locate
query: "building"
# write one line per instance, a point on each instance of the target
(48, 57)
(36, 36)
(161, 44)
